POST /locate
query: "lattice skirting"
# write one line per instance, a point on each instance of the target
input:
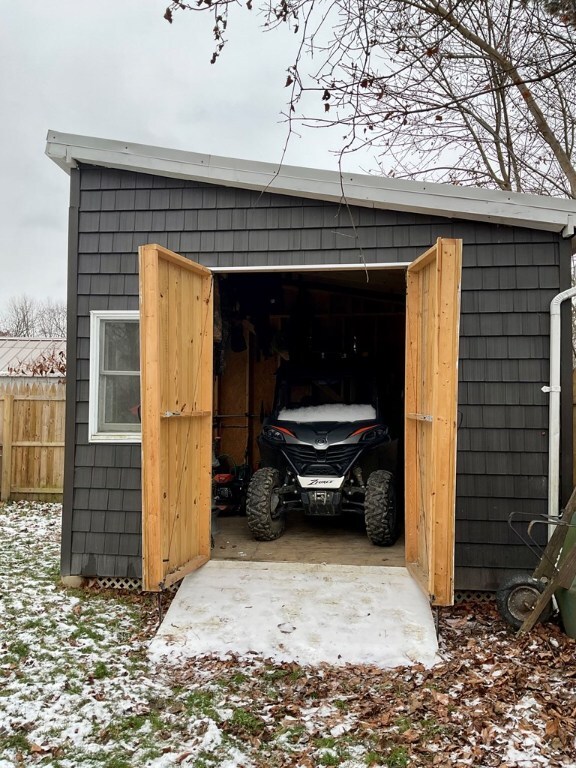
(465, 596)
(113, 582)
(135, 585)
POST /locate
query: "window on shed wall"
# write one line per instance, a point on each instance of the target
(114, 412)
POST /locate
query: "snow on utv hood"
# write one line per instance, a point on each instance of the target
(332, 412)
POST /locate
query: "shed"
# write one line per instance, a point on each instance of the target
(288, 249)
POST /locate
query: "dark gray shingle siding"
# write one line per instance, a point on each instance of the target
(509, 278)
(105, 475)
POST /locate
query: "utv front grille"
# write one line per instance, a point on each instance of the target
(300, 454)
(341, 454)
(333, 461)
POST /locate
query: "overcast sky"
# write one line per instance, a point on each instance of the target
(116, 69)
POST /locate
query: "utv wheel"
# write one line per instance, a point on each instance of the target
(263, 505)
(517, 597)
(380, 509)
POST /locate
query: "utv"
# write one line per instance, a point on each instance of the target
(325, 449)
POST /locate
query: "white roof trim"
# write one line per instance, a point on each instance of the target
(534, 211)
(360, 266)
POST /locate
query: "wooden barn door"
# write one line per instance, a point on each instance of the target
(176, 326)
(432, 334)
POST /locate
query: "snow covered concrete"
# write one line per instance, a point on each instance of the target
(307, 613)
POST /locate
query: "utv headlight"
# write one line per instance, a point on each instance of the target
(276, 434)
(367, 434)
(379, 433)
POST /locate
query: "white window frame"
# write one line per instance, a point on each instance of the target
(97, 316)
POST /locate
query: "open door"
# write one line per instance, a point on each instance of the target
(432, 335)
(176, 326)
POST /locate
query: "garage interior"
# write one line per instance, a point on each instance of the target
(301, 316)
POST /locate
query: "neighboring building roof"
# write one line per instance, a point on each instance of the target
(511, 208)
(17, 350)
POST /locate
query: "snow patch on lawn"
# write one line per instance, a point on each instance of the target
(75, 685)
(77, 689)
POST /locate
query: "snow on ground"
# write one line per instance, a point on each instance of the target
(77, 688)
(75, 685)
(330, 412)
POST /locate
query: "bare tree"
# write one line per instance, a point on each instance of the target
(26, 316)
(20, 316)
(51, 319)
(478, 92)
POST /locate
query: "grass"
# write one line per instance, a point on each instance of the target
(100, 671)
(151, 722)
(397, 757)
(77, 689)
(17, 741)
(72, 679)
(245, 722)
(117, 760)
(330, 758)
(289, 674)
(19, 649)
(334, 750)
(373, 758)
(431, 728)
(325, 742)
(238, 678)
(291, 734)
(201, 703)
(403, 724)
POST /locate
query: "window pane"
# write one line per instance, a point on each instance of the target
(120, 346)
(119, 403)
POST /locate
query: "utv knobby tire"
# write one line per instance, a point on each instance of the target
(517, 597)
(380, 513)
(266, 520)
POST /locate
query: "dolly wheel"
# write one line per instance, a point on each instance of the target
(517, 597)
(266, 519)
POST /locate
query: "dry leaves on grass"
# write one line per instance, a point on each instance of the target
(77, 688)
(494, 700)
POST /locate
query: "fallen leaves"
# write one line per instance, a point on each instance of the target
(493, 701)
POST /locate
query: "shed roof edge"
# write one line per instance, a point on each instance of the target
(472, 203)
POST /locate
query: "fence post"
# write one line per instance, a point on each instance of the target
(7, 448)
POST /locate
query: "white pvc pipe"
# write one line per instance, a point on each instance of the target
(554, 405)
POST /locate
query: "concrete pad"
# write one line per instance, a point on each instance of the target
(308, 613)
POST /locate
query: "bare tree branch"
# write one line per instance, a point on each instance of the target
(51, 319)
(20, 317)
(488, 86)
(25, 316)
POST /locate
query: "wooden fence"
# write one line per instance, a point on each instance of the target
(32, 441)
